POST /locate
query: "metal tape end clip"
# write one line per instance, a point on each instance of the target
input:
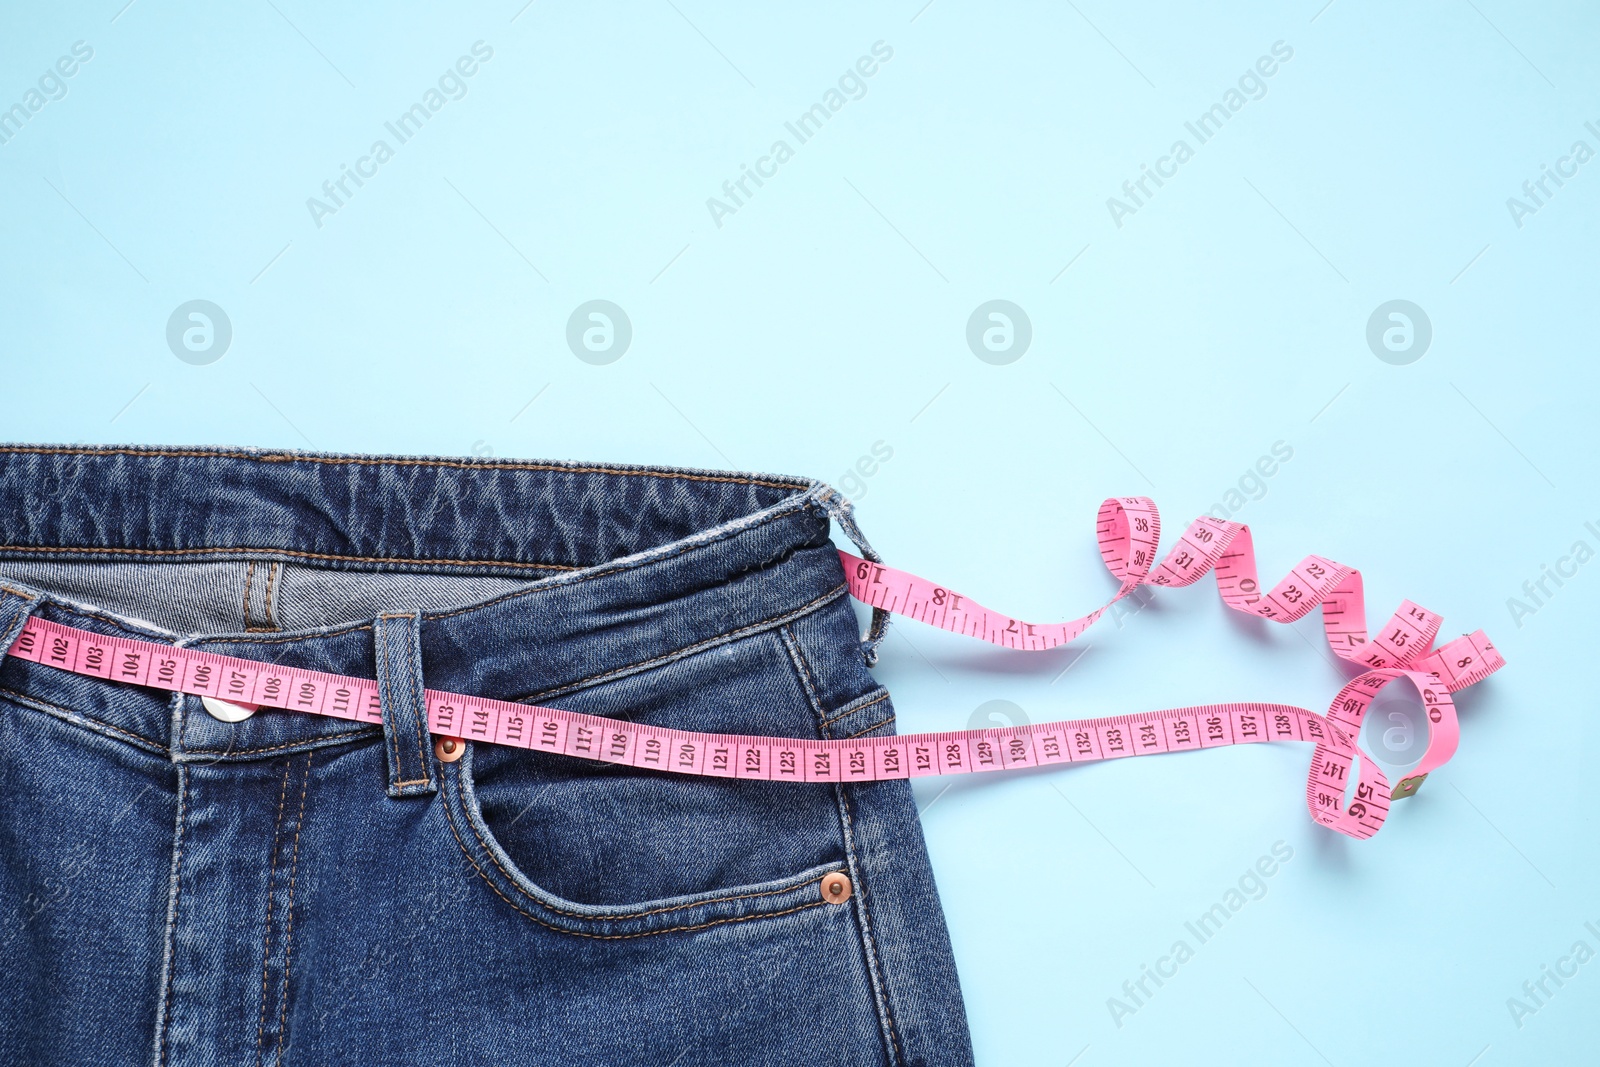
(1408, 787)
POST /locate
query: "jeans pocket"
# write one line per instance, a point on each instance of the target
(607, 851)
(675, 914)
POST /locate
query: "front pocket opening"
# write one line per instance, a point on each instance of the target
(776, 897)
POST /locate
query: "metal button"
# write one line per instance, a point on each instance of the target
(835, 888)
(227, 711)
(449, 749)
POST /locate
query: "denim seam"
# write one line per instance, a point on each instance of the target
(869, 729)
(879, 980)
(808, 499)
(419, 704)
(334, 631)
(266, 944)
(267, 551)
(841, 799)
(288, 933)
(461, 790)
(450, 818)
(274, 573)
(644, 559)
(853, 707)
(111, 620)
(581, 574)
(749, 630)
(303, 746)
(169, 948)
(389, 727)
(177, 721)
(78, 719)
(181, 720)
(137, 629)
(249, 579)
(797, 659)
(397, 461)
(181, 730)
(148, 632)
(599, 571)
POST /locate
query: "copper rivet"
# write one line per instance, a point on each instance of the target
(449, 749)
(835, 888)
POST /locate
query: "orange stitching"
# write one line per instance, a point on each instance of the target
(282, 457)
(581, 915)
(417, 703)
(449, 818)
(350, 628)
(869, 729)
(288, 933)
(791, 645)
(258, 550)
(880, 994)
(76, 718)
(599, 570)
(759, 626)
(18, 592)
(151, 633)
(848, 710)
(266, 946)
(274, 571)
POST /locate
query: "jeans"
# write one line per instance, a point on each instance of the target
(176, 889)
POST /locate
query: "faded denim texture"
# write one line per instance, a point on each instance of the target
(289, 889)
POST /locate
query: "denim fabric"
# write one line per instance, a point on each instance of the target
(289, 889)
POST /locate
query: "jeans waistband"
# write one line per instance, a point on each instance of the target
(604, 569)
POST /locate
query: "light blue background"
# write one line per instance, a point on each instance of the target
(829, 313)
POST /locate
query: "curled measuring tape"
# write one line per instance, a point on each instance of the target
(1345, 789)
(1129, 529)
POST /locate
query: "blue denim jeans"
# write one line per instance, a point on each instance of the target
(178, 890)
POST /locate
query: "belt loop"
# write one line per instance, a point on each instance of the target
(843, 513)
(412, 770)
(15, 607)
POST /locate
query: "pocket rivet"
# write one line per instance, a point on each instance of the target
(835, 888)
(449, 749)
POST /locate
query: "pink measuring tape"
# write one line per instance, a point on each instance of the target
(1129, 531)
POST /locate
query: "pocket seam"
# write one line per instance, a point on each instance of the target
(852, 707)
(450, 819)
(547, 906)
(781, 620)
(88, 722)
(867, 730)
(462, 792)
